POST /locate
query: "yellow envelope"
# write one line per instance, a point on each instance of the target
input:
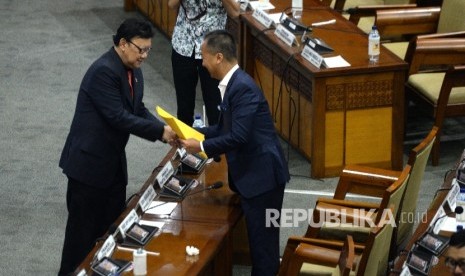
(182, 130)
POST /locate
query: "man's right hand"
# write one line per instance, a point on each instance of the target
(169, 136)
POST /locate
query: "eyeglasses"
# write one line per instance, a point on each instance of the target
(452, 264)
(141, 51)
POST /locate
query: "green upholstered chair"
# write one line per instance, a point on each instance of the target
(389, 186)
(409, 22)
(362, 12)
(436, 79)
(418, 159)
(306, 256)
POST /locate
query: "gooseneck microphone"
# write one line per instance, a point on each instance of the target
(214, 186)
(458, 210)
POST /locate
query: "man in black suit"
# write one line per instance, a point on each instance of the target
(257, 170)
(109, 108)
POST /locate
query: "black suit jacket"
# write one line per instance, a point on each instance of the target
(105, 115)
(246, 134)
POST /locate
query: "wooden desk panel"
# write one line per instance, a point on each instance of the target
(334, 117)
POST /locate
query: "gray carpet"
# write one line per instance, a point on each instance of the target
(46, 47)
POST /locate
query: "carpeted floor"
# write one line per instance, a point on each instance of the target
(46, 47)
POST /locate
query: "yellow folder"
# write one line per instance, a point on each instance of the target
(182, 130)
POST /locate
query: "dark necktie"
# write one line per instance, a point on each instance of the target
(130, 83)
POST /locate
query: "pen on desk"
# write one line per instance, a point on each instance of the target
(153, 253)
(332, 21)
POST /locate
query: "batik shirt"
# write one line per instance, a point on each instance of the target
(188, 32)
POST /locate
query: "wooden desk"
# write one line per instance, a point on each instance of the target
(209, 220)
(334, 117)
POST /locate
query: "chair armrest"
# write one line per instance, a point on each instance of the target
(437, 52)
(333, 249)
(364, 181)
(460, 34)
(325, 203)
(370, 10)
(310, 253)
(345, 212)
(411, 21)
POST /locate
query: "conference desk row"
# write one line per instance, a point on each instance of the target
(210, 220)
(430, 217)
(334, 117)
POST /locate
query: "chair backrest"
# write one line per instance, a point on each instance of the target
(393, 195)
(418, 159)
(374, 260)
(347, 257)
(451, 18)
(407, 21)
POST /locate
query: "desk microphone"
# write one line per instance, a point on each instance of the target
(458, 210)
(214, 186)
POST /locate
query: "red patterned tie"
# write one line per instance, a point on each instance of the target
(130, 83)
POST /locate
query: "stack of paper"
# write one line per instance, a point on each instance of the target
(182, 130)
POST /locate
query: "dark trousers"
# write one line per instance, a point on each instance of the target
(263, 241)
(186, 73)
(91, 211)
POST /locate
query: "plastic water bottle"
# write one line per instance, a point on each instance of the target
(198, 121)
(373, 45)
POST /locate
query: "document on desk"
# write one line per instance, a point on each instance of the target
(335, 62)
(263, 5)
(161, 207)
(182, 130)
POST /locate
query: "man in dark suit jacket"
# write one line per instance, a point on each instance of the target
(109, 108)
(257, 170)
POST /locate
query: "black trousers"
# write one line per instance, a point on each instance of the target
(263, 240)
(186, 73)
(91, 211)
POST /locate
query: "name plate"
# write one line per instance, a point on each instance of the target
(147, 198)
(244, 5)
(107, 248)
(165, 174)
(438, 219)
(82, 273)
(285, 35)
(311, 56)
(129, 220)
(453, 194)
(405, 271)
(262, 17)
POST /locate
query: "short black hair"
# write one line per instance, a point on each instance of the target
(457, 239)
(131, 28)
(221, 41)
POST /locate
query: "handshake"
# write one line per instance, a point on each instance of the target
(191, 145)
